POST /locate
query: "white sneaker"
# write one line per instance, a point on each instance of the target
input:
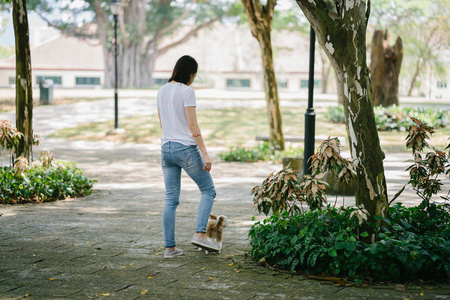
(172, 253)
(204, 244)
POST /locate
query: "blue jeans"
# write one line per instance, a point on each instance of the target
(174, 157)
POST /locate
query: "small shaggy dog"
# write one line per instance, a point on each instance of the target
(214, 229)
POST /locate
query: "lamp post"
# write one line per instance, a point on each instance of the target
(116, 7)
(310, 115)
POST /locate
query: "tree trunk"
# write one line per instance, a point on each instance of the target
(326, 68)
(148, 63)
(419, 66)
(344, 41)
(385, 69)
(260, 19)
(276, 137)
(24, 91)
(102, 32)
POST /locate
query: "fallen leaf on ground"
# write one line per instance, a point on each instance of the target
(211, 278)
(349, 284)
(150, 277)
(230, 264)
(144, 292)
(52, 279)
(400, 287)
(123, 267)
(421, 294)
(132, 264)
(105, 294)
(202, 268)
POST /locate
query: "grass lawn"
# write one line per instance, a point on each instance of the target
(231, 127)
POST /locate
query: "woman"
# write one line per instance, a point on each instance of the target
(182, 147)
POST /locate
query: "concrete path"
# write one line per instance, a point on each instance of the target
(109, 244)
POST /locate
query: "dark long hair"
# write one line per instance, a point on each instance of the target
(184, 68)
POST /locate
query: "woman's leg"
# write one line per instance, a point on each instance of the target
(172, 181)
(203, 179)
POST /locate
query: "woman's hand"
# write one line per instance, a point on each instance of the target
(208, 164)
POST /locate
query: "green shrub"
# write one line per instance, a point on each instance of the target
(261, 152)
(397, 118)
(409, 244)
(328, 242)
(336, 114)
(40, 183)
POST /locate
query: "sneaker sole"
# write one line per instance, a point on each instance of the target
(204, 246)
(172, 256)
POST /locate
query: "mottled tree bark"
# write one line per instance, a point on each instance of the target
(260, 20)
(24, 92)
(344, 40)
(385, 65)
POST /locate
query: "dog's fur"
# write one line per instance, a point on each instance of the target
(214, 229)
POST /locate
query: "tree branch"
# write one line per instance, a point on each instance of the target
(312, 7)
(176, 22)
(70, 31)
(271, 6)
(186, 37)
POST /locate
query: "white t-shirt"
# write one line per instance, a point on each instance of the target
(171, 100)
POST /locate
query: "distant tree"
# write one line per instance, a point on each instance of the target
(342, 34)
(385, 65)
(24, 91)
(423, 26)
(143, 26)
(260, 18)
(325, 70)
(291, 19)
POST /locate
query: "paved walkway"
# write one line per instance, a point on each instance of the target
(109, 244)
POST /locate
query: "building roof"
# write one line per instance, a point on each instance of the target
(221, 48)
(232, 48)
(63, 53)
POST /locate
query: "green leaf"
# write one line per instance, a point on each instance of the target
(332, 252)
(339, 245)
(364, 234)
(398, 227)
(350, 247)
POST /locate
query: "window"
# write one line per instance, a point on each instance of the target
(304, 83)
(282, 84)
(56, 79)
(159, 81)
(442, 84)
(238, 83)
(87, 80)
(12, 80)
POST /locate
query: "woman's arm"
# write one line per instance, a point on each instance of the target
(191, 117)
(159, 117)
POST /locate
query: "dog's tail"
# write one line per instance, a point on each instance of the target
(221, 221)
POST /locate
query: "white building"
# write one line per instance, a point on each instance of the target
(228, 55)
(68, 61)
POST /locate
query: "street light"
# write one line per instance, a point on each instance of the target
(310, 115)
(116, 7)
